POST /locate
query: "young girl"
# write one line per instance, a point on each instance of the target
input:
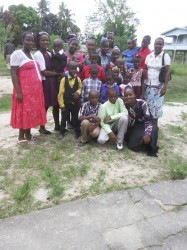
(120, 63)
(137, 77)
(105, 58)
(126, 82)
(114, 56)
(28, 108)
(91, 46)
(142, 132)
(116, 76)
(110, 83)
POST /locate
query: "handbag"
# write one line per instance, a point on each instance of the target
(162, 74)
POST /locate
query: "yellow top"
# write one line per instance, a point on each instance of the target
(62, 89)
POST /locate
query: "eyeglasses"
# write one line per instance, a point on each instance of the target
(43, 33)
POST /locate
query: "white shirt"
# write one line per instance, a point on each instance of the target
(38, 56)
(154, 65)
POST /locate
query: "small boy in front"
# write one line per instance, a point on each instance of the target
(89, 119)
(69, 99)
(114, 119)
(91, 83)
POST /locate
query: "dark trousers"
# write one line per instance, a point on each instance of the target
(74, 111)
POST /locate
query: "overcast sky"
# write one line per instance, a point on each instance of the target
(156, 16)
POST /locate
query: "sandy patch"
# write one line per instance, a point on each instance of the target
(41, 195)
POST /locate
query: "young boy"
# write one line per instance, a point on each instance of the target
(59, 59)
(91, 83)
(114, 119)
(89, 119)
(69, 99)
(86, 69)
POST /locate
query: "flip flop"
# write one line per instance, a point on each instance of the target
(22, 142)
(32, 138)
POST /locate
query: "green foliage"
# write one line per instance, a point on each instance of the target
(5, 102)
(22, 192)
(113, 15)
(178, 168)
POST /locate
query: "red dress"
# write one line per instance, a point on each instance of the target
(30, 113)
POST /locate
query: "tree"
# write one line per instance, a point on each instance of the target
(43, 10)
(116, 16)
(67, 24)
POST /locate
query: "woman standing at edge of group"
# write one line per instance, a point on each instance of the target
(28, 110)
(50, 86)
(154, 89)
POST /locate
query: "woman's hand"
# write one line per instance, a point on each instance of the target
(19, 97)
(146, 139)
(163, 90)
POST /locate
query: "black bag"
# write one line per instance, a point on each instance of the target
(162, 74)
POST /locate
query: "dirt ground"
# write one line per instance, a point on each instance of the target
(128, 173)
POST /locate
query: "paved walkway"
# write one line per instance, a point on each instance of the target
(151, 217)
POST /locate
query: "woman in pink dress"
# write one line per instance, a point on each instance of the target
(28, 109)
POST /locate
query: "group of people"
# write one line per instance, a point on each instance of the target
(104, 94)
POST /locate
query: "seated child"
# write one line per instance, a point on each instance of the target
(142, 129)
(59, 59)
(86, 69)
(114, 119)
(89, 119)
(110, 83)
(69, 99)
(91, 83)
(137, 78)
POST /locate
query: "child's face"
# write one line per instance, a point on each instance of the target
(94, 59)
(120, 64)
(109, 80)
(126, 79)
(112, 97)
(130, 44)
(115, 74)
(136, 63)
(72, 70)
(57, 47)
(105, 47)
(76, 59)
(115, 55)
(93, 98)
(129, 97)
(93, 73)
(91, 45)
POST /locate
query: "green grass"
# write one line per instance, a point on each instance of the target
(3, 68)
(178, 167)
(22, 192)
(5, 102)
(176, 91)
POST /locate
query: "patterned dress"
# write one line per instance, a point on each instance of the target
(29, 113)
(140, 124)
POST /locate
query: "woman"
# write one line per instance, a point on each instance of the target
(142, 132)
(154, 89)
(130, 52)
(28, 109)
(49, 78)
(144, 50)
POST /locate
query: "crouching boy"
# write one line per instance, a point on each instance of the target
(114, 119)
(89, 119)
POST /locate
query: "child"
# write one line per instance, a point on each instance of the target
(91, 83)
(91, 46)
(137, 78)
(142, 130)
(59, 59)
(110, 83)
(120, 63)
(126, 82)
(103, 54)
(86, 69)
(69, 99)
(116, 76)
(89, 119)
(114, 56)
(76, 59)
(114, 119)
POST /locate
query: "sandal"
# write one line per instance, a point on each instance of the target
(44, 131)
(32, 138)
(22, 142)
